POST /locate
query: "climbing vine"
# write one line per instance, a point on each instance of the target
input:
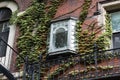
(82, 35)
(86, 38)
(93, 34)
(103, 40)
(13, 17)
(34, 28)
(82, 17)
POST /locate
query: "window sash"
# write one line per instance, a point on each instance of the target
(116, 40)
(5, 14)
(4, 33)
(115, 19)
(60, 39)
(3, 46)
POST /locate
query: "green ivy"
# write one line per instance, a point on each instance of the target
(103, 41)
(34, 29)
(78, 36)
(90, 69)
(13, 17)
(62, 68)
(86, 38)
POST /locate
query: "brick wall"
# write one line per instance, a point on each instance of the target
(72, 8)
(69, 8)
(23, 4)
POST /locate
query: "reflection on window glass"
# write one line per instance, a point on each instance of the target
(115, 21)
(5, 15)
(4, 27)
(4, 32)
(116, 40)
(60, 38)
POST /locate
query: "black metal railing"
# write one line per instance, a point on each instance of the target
(95, 65)
(99, 64)
(8, 66)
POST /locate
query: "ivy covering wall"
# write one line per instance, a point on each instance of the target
(34, 27)
(86, 38)
(93, 34)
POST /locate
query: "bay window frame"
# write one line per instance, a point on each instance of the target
(70, 28)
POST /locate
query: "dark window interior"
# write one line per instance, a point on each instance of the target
(60, 38)
(116, 40)
(5, 15)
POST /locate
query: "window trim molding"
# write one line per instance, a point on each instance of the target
(51, 38)
(105, 7)
(13, 7)
(9, 4)
(58, 28)
(71, 22)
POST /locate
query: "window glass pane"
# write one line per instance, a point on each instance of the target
(3, 46)
(1, 27)
(4, 32)
(4, 27)
(60, 30)
(116, 40)
(5, 14)
(60, 38)
(115, 21)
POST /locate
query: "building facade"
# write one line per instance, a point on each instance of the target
(83, 29)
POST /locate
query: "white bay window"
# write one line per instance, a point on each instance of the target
(62, 37)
